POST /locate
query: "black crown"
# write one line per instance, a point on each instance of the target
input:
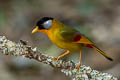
(44, 19)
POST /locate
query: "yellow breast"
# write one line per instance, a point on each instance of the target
(56, 38)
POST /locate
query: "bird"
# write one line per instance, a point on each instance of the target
(66, 37)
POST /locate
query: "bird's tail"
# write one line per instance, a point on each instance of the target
(101, 52)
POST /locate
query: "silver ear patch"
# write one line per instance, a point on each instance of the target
(47, 24)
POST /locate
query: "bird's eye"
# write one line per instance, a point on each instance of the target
(47, 24)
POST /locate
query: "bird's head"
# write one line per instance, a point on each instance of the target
(43, 25)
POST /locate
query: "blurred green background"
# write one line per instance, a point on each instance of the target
(99, 19)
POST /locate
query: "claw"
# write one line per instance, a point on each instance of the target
(54, 58)
(78, 66)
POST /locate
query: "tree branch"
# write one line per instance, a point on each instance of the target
(22, 49)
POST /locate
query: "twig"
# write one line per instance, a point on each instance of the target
(22, 49)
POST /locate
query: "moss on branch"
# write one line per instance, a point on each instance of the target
(22, 49)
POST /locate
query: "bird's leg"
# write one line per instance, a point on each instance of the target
(65, 53)
(80, 62)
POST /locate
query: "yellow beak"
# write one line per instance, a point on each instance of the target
(35, 30)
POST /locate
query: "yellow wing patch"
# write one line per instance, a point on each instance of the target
(84, 40)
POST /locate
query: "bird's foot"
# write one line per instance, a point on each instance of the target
(78, 66)
(61, 56)
(56, 58)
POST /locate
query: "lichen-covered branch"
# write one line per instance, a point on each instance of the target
(22, 49)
